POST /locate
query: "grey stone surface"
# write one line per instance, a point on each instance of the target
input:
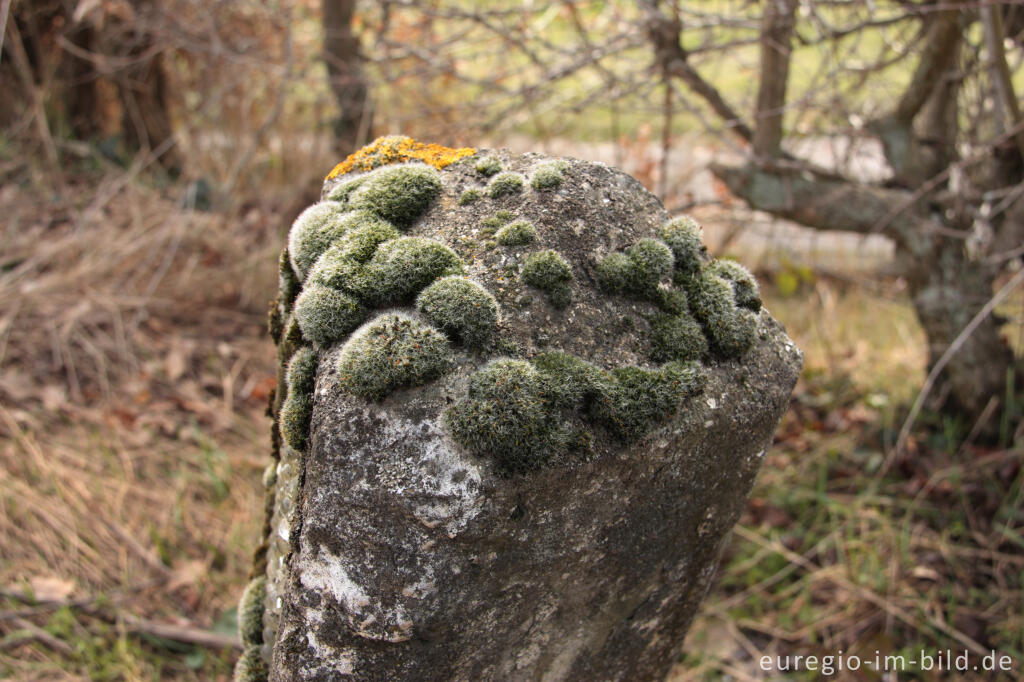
(396, 553)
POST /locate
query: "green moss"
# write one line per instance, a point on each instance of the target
(677, 337)
(549, 272)
(505, 416)
(519, 233)
(398, 194)
(390, 352)
(294, 420)
(343, 192)
(637, 272)
(291, 341)
(729, 329)
(637, 399)
(462, 308)
(250, 666)
(361, 243)
(672, 301)
(488, 166)
(570, 382)
(497, 220)
(301, 374)
(250, 612)
(615, 273)
(313, 232)
(288, 284)
(401, 268)
(327, 315)
(683, 236)
(745, 289)
(525, 415)
(469, 196)
(549, 176)
(297, 408)
(652, 262)
(504, 184)
(275, 323)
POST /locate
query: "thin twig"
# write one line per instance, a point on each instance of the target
(181, 633)
(29, 632)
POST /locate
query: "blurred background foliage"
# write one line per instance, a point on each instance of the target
(154, 152)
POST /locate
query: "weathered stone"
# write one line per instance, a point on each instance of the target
(400, 551)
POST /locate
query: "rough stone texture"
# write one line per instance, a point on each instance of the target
(393, 553)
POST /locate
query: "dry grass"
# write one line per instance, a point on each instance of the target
(831, 557)
(134, 371)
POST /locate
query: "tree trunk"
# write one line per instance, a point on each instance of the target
(345, 76)
(142, 86)
(947, 291)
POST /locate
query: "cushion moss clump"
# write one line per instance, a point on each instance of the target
(488, 166)
(504, 184)
(549, 176)
(313, 231)
(250, 666)
(289, 285)
(637, 398)
(729, 328)
(677, 337)
(361, 243)
(519, 233)
(403, 267)
(327, 315)
(571, 382)
(505, 416)
(250, 612)
(615, 273)
(498, 219)
(469, 196)
(399, 194)
(743, 283)
(638, 271)
(549, 272)
(652, 262)
(392, 351)
(462, 308)
(683, 236)
(526, 415)
(297, 408)
(343, 192)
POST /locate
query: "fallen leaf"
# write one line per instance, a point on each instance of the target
(47, 588)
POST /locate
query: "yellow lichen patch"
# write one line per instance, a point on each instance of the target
(398, 149)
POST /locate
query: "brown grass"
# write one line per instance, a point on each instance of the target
(134, 371)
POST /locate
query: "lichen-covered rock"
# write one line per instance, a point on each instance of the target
(537, 494)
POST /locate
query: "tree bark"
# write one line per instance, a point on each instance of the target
(776, 38)
(346, 77)
(947, 291)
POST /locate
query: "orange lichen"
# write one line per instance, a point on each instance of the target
(398, 149)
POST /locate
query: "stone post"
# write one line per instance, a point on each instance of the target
(519, 411)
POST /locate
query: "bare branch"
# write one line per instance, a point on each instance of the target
(672, 60)
(992, 16)
(822, 202)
